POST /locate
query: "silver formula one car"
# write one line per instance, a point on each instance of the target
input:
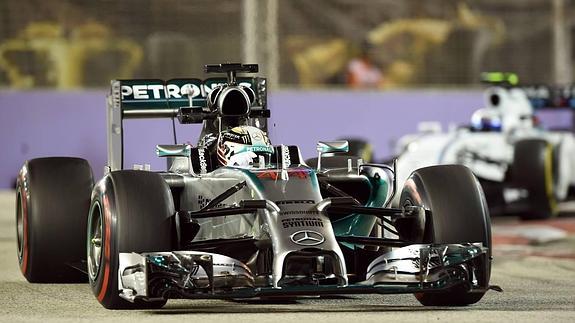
(235, 217)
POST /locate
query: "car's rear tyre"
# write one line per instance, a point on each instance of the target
(52, 201)
(459, 214)
(131, 211)
(533, 169)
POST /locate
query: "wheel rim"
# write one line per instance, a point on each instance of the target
(20, 225)
(95, 229)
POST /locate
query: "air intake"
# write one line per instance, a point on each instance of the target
(233, 102)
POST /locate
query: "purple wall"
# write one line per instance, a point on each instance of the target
(381, 117)
(44, 123)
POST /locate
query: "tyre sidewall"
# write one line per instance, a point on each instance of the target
(106, 280)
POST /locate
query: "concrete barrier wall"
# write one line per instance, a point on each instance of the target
(45, 123)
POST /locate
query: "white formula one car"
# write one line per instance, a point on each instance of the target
(521, 167)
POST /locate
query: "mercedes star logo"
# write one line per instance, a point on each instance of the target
(257, 136)
(307, 238)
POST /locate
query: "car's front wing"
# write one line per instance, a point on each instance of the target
(192, 274)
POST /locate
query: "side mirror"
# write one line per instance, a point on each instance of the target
(173, 150)
(333, 146)
(330, 147)
(178, 156)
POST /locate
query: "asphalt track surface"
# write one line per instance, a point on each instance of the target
(536, 289)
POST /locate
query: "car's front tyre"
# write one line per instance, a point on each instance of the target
(131, 211)
(459, 214)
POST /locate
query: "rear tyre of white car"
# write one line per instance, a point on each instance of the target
(52, 201)
(131, 211)
(534, 169)
(459, 214)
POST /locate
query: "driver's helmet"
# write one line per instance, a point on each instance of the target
(486, 119)
(244, 146)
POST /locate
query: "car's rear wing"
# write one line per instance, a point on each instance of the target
(540, 95)
(153, 94)
(545, 96)
(154, 98)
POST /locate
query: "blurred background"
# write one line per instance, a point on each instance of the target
(336, 68)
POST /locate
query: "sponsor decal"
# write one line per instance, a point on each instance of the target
(168, 91)
(263, 149)
(286, 159)
(307, 238)
(159, 91)
(203, 163)
(299, 212)
(231, 136)
(302, 222)
(283, 202)
(203, 201)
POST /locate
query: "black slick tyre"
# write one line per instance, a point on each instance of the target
(459, 214)
(534, 169)
(131, 211)
(52, 201)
